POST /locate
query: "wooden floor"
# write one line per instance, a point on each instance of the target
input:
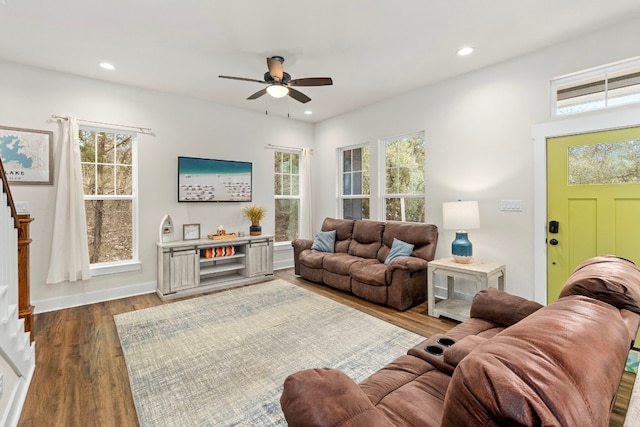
(81, 377)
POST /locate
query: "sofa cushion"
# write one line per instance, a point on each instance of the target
(398, 249)
(367, 238)
(339, 263)
(370, 272)
(312, 258)
(606, 278)
(423, 237)
(324, 241)
(344, 232)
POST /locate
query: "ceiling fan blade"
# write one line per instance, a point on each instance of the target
(243, 79)
(275, 67)
(312, 81)
(258, 94)
(298, 96)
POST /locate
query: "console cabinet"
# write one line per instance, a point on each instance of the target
(188, 267)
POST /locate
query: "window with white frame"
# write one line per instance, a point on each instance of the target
(287, 195)
(404, 183)
(109, 177)
(355, 183)
(597, 88)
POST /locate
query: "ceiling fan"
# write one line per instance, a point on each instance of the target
(279, 83)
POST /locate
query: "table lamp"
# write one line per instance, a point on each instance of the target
(461, 216)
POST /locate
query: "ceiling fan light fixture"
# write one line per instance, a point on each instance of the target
(278, 91)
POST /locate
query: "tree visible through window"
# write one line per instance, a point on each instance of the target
(404, 198)
(356, 188)
(287, 195)
(607, 163)
(109, 194)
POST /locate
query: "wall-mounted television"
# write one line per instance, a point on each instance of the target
(211, 180)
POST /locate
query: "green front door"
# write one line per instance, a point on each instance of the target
(593, 192)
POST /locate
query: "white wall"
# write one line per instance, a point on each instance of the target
(478, 132)
(478, 141)
(181, 126)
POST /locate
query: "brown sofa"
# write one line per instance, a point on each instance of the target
(513, 363)
(357, 263)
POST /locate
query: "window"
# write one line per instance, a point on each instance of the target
(355, 188)
(602, 87)
(109, 176)
(404, 187)
(287, 195)
(606, 163)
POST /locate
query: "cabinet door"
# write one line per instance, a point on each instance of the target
(184, 269)
(259, 258)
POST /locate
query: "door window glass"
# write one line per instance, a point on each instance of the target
(608, 163)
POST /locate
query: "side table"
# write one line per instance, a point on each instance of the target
(478, 272)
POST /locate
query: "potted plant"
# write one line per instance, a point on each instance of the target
(255, 214)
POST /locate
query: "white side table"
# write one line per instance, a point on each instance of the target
(480, 273)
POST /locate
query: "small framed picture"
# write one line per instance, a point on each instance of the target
(190, 231)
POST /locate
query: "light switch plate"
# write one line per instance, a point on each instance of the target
(511, 205)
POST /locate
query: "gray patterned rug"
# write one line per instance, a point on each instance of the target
(221, 359)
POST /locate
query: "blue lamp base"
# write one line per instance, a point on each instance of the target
(461, 248)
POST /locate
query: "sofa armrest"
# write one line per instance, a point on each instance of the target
(299, 245)
(327, 397)
(409, 263)
(458, 351)
(500, 307)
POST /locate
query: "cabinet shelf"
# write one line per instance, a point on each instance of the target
(183, 271)
(221, 268)
(220, 258)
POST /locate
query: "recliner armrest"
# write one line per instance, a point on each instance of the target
(327, 397)
(299, 245)
(501, 308)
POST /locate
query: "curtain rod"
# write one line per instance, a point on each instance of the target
(142, 129)
(282, 147)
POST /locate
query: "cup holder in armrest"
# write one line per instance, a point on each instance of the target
(434, 349)
(447, 342)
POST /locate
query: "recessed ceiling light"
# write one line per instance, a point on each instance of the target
(308, 112)
(467, 50)
(107, 66)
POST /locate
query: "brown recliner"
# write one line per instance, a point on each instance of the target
(513, 363)
(357, 264)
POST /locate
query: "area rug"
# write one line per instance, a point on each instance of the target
(221, 359)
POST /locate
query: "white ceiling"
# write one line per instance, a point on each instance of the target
(372, 49)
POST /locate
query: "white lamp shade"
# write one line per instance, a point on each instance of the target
(460, 215)
(277, 91)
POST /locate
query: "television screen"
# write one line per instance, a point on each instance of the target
(209, 180)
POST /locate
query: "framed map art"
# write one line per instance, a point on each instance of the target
(27, 155)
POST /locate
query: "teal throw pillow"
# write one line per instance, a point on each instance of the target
(324, 241)
(398, 248)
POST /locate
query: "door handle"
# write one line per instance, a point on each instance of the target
(553, 242)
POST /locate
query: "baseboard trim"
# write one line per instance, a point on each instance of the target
(281, 265)
(17, 399)
(53, 304)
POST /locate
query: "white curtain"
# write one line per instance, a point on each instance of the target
(306, 216)
(69, 249)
